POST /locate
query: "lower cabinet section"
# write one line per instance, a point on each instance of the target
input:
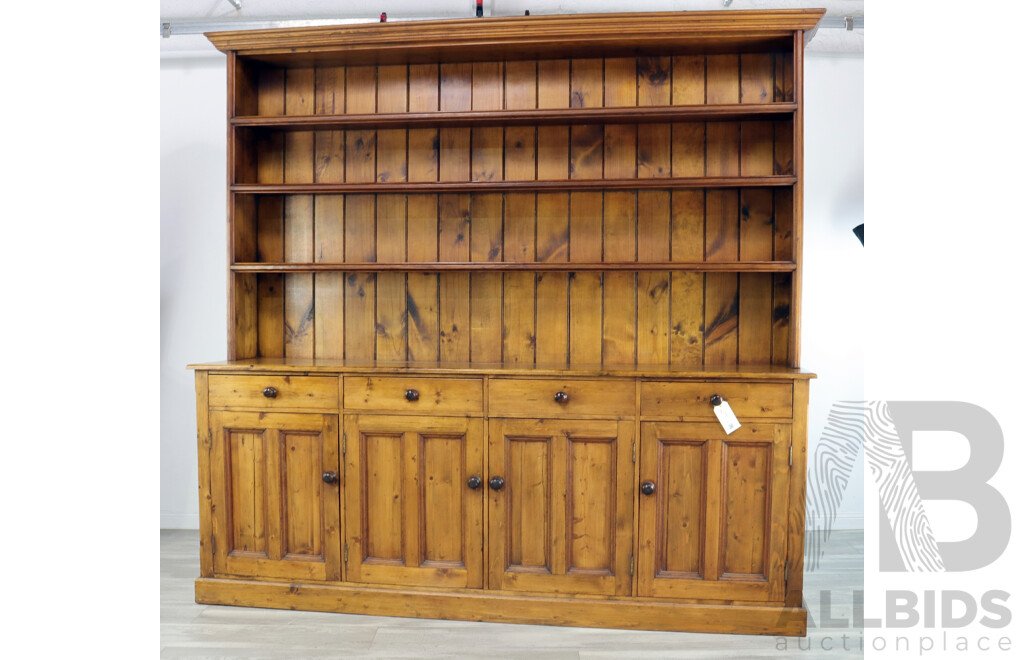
(274, 481)
(414, 500)
(653, 520)
(713, 511)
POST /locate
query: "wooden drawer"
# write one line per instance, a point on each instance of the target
(312, 392)
(692, 400)
(536, 397)
(388, 393)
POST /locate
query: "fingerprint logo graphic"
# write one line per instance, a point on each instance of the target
(852, 426)
(898, 492)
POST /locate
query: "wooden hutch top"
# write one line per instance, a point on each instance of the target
(609, 193)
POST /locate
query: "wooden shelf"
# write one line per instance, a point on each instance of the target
(513, 186)
(324, 365)
(542, 117)
(502, 266)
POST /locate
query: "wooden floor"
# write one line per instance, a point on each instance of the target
(209, 631)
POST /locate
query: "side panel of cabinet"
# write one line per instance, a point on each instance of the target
(563, 520)
(715, 525)
(412, 517)
(275, 515)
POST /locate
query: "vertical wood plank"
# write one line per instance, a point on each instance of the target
(329, 146)
(757, 78)
(796, 278)
(755, 292)
(521, 141)
(270, 287)
(721, 307)
(456, 94)
(782, 283)
(723, 86)
(620, 148)
(453, 245)
(619, 327)
(423, 305)
(552, 288)
(688, 76)
(270, 145)
(485, 288)
(244, 318)
(392, 96)
(360, 146)
(204, 436)
(585, 315)
(519, 297)
(652, 288)
(298, 287)
(553, 90)
(586, 141)
(620, 90)
(329, 288)
(391, 316)
(360, 288)
(686, 342)
(757, 81)
(392, 320)
(424, 143)
(654, 141)
(488, 94)
(298, 218)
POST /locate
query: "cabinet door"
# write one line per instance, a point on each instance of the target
(276, 506)
(715, 524)
(562, 520)
(413, 516)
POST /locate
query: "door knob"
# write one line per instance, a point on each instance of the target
(474, 482)
(561, 397)
(270, 392)
(330, 477)
(412, 395)
(496, 483)
(647, 488)
(716, 400)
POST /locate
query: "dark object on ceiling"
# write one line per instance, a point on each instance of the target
(859, 232)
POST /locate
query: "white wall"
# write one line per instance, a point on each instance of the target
(193, 262)
(833, 317)
(193, 255)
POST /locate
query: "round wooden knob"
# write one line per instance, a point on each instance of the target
(647, 488)
(330, 477)
(474, 482)
(270, 392)
(561, 397)
(716, 400)
(412, 395)
(496, 483)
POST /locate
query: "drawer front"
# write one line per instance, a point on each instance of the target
(542, 398)
(425, 395)
(692, 400)
(273, 391)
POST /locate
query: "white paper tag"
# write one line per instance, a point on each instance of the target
(726, 416)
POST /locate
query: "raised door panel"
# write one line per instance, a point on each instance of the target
(562, 519)
(714, 525)
(275, 513)
(414, 518)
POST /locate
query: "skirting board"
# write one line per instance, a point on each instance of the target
(505, 608)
